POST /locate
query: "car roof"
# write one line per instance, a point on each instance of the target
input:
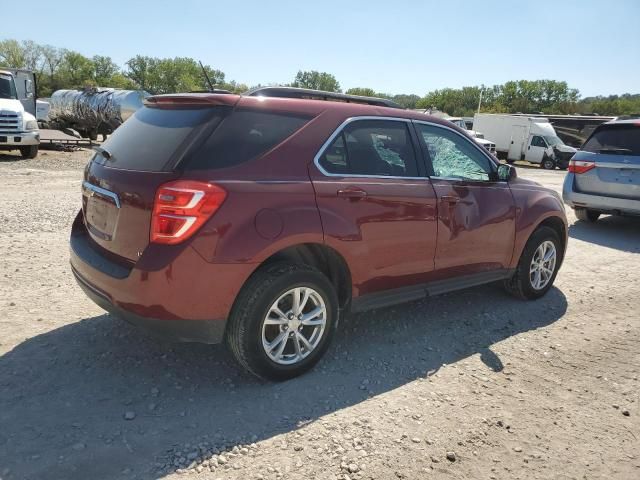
(302, 106)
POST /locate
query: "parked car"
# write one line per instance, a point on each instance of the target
(525, 138)
(604, 176)
(261, 221)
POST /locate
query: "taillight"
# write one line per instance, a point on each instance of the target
(581, 166)
(180, 208)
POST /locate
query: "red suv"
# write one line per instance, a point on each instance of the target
(259, 220)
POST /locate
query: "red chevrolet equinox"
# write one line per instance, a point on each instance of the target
(260, 220)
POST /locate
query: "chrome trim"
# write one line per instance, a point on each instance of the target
(197, 195)
(338, 131)
(101, 191)
(189, 221)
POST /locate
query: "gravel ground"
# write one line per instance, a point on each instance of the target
(468, 385)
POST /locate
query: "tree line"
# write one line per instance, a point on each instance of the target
(62, 68)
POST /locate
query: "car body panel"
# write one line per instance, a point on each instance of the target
(389, 240)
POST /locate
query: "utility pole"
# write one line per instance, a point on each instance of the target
(480, 101)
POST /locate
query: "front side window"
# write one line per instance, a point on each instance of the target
(453, 156)
(538, 141)
(372, 147)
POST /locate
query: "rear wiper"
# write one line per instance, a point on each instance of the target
(104, 152)
(619, 151)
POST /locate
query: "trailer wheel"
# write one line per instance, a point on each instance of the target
(29, 152)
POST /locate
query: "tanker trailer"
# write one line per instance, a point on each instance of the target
(93, 111)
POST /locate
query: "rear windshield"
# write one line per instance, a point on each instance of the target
(243, 136)
(614, 139)
(149, 139)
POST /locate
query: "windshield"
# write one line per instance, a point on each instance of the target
(459, 122)
(7, 87)
(553, 141)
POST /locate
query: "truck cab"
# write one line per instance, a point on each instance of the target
(18, 124)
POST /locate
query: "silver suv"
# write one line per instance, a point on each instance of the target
(604, 175)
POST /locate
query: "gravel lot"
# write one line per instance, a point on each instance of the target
(468, 385)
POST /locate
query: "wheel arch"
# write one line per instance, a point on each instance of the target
(321, 257)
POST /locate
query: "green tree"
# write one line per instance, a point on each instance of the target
(170, 75)
(316, 80)
(104, 70)
(76, 70)
(363, 92)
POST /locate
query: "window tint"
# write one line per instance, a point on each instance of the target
(372, 147)
(453, 156)
(149, 138)
(243, 136)
(615, 139)
(537, 141)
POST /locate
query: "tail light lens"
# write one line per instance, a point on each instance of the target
(581, 166)
(180, 208)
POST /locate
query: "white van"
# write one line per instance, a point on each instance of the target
(525, 138)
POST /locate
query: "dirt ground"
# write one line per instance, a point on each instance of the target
(472, 385)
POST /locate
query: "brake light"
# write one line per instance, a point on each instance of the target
(581, 166)
(180, 208)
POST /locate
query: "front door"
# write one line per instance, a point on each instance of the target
(536, 149)
(377, 209)
(476, 212)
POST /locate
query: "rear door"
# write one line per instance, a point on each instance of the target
(476, 213)
(518, 139)
(377, 207)
(615, 148)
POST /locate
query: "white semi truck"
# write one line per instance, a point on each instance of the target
(524, 138)
(18, 124)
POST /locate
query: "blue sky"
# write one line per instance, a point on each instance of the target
(393, 46)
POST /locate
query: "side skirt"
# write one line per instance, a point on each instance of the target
(396, 296)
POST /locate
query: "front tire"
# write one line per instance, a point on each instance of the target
(273, 335)
(548, 163)
(30, 151)
(538, 265)
(586, 215)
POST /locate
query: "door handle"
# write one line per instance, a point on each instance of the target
(450, 199)
(352, 193)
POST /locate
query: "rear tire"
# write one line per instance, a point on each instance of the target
(523, 282)
(252, 325)
(30, 151)
(586, 215)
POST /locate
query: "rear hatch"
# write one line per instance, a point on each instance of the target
(121, 179)
(615, 149)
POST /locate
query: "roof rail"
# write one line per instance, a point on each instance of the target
(308, 93)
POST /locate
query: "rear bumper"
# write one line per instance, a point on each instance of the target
(599, 203)
(19, 139)
(201, 331)
(171, 290)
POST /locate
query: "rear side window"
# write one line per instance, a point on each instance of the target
(148, 140)
(243, 136)
(614, 139)
(372, 148)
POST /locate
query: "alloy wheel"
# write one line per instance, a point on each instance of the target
(294, 325)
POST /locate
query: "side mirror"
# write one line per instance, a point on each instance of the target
(507, 173)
